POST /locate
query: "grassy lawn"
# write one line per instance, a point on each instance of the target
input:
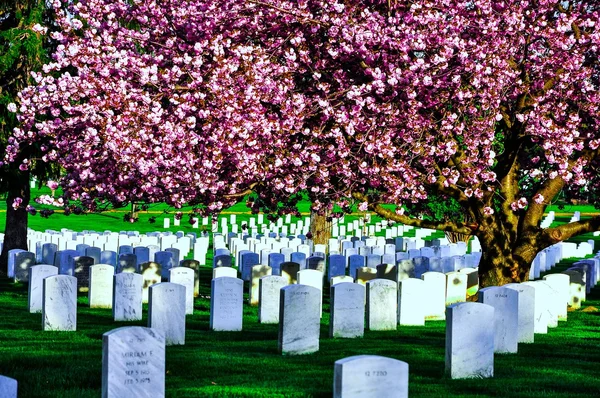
(246, 364)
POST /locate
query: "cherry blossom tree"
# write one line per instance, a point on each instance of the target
(490, 104)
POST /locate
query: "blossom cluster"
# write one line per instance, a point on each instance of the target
(197, 101)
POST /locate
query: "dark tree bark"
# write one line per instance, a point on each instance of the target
(15, 230)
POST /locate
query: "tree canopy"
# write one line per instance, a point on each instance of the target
(491, 104)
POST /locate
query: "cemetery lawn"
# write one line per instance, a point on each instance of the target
(246, 364)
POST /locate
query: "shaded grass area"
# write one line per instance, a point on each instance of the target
(246, 364)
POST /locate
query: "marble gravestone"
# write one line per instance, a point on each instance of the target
(226, 304)
(541, 315)
(195, 265)
(560, 285)
(59, 303)
(347, 310)
(456, 288)
(268, 291)
(82, 272)
(435, 288)
(289, 270)
(184, 276)
(23, 261)
(411, 299)
(101, 286)
(506, 316)
(526, 311)
(365, 274)
(224, 271)
(341, 279)
(151, 275)
(127, 297)
(370, 376)
(166, 311)
(257, 272)
(133, 363)
(314, 278)
(8, 387)
(37, 273)
(469, 341)
(299, 320)
(382, 304)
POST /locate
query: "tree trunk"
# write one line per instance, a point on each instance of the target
(15, 231)
(320, 227)
(503, 261)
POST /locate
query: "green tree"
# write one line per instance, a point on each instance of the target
(24, 48)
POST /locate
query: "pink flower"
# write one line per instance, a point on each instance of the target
(12, 107)
(17, 203)
(539, 199)
(52, 184)
(363, 206)
(488, 211)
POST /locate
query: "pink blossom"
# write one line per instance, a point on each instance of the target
(17, 203)
(363, 206)
(538, 198)
(53, 185)
(488, 211)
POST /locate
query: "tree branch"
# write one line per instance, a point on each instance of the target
(415, 222)
(567, 231)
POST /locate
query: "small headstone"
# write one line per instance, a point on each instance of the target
(224, 271)
(101, 286)
(435, 288)
(133, 363)
(411, 299)
(526, 311)
(365, 274)
(367, 376)
(268, 309)
(506, 317)
(151, 275)
(258, 271)
(82, 272)
(226, 304)
(469, 341)
(314, 278)
(184, 276)
(560, 284)
(23, 261)
(456, 288)
(37, 273)
(289, 270)
(299, 320)
(127, 263)
(382, 304)
(195, 265)
(127, 297)
(166, 311)
(541, 315)
(8, 387)
(347, 310)
(341, 279)
(59, 303)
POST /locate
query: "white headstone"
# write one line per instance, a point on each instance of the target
(269, 287)
(299, 320)
(133, 363)
(166, 311)
(560, 284)
(456, 288)
(541, 315)
(347, 310)
(127, 297)
(8, 387)
(411, 300)
(59, 303)
(435, 291)
(506, 316)
(314, 278)
(370, 376)
(526, 311)
(226, 304)
(184, 276)
(258, 271)
(224, 271)
(469, 341)
(382, 304)
(100, 294)
(37, 273)
(341, 279)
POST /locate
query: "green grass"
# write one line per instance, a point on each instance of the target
(247, 364)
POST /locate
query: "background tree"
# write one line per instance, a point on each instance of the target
(23, 49)
(493, 105)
